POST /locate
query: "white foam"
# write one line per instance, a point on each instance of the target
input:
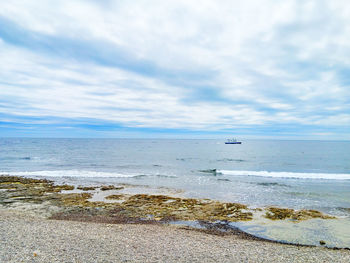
(70, 173)
(83, 173)
(331, 176)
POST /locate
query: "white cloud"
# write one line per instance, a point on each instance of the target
(77, 91)
(267, 62)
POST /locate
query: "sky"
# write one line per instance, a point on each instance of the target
(175, 69)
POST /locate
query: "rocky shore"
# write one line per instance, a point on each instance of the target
(70, 200)
(44, 222)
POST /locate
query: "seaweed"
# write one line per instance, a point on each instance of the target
(161, 206)
(115, 197)
(86, 188)
(111, 187)
(276, 213)
(143, 206)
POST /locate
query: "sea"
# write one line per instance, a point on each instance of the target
(259, 173)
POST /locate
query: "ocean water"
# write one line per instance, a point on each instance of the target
(259, 173)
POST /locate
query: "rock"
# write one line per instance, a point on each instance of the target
(110, 187)
(115, 197)
(276, 213)
(86, 188)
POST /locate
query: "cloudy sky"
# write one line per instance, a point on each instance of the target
(255, 68)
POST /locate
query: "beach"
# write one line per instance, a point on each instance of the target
(173, 201)
(41, 221)
(174, 131)
(252, 179)
(28, 238)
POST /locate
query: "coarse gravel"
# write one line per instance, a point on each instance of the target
(26, 238)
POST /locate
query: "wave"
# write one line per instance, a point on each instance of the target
(16, 158)
(69, 173)
(82, 173)
(231, 160)
(272, 184)
(186, 159)
(224, 179)
(344, 209)
(330, 176)
(155, 175)
(209, 171)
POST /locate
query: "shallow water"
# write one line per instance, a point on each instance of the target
(294, 174)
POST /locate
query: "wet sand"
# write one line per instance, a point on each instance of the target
(29, 238)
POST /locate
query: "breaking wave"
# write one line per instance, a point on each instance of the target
(330, 176)
(155, 175)
(83, 173)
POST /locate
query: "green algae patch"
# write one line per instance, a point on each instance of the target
(161, 206)
(111, 187)
(29, 190)
(86, 188)
(276, 213)
(143, 206)
(63, 187)
(75, 199)
(115, 197)
(21, 180)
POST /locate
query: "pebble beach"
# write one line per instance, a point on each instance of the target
(28, 238)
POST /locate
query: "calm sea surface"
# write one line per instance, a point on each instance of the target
(294, 174)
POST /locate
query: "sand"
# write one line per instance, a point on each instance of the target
(28, 238)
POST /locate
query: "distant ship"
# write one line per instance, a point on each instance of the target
(232, 141)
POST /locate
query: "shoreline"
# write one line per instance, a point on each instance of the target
(34, 239)
(60, 202)
(217, 229)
